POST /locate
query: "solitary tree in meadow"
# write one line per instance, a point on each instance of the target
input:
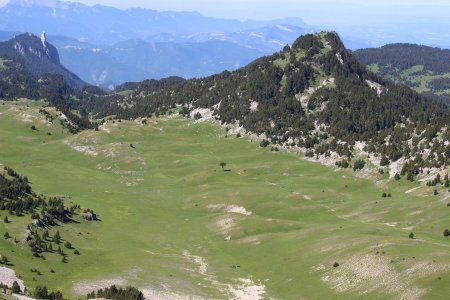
(446, 232)
(223, 164)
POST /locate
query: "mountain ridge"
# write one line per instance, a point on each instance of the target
(39, 56)
(85, 22)
(313, 96)
(199, 56)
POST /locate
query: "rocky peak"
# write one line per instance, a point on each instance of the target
(28, 45)
(39, 56)
(44, 40)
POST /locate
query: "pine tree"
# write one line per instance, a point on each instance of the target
(57, 238)
(16, 288)
(4, 260)
(68, 245)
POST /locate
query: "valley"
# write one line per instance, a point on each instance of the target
(313, 172)
(177, 225)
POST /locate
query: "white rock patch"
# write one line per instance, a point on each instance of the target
(396, 167)
(238, 210)
(86, 150)
(206, 114)
(230, 208)
(248, 290)
(339, 57)
(198, 260)
(8, 276)
(376, 86)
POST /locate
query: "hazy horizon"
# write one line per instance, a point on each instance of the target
(346, 13)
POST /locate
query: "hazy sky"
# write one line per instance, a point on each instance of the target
(324, 12)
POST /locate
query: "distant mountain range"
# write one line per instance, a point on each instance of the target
(136, 60)
(107, 25)
(38, 56)
(108, 46)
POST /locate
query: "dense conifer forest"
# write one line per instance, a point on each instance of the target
(404, 56)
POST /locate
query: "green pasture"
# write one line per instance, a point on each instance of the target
(173, 221)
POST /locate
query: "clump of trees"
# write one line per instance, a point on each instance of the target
(117, 293)
(343, 164)
(41, 292)
(359, 164)
(15, 287)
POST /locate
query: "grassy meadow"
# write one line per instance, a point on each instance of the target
(270, 225)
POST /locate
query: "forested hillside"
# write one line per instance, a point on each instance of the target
(425, 69)
(314, 95)
(17, 82)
